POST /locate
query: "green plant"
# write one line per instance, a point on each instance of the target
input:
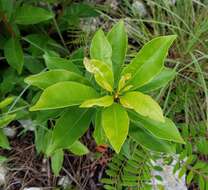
(131, 168)
(113, 100)
(192, 160)
(24, 37)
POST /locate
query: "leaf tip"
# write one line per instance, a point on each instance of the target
(172, 37)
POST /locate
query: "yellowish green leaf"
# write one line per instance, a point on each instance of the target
(143, 104)
(102, 73)
(57, 161)
(6, 101)
(115, 122)
(100, 48)
(78, 148)
(64, 94)
(104, 101)
(149, 61)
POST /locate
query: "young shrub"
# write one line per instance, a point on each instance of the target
(110, 95)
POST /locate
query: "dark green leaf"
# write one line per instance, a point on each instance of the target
(33, 65)
(7, 6)
(14, 54)
(53, 62)
(28, 14)
(80, 10)
(69, 128)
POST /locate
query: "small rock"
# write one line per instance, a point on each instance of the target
(10, 132)
(3, 172)
(64, 182)
(27, 124)
(33, 188)
(139, 8)
(44, 165)
(172, 2)
(170, 180)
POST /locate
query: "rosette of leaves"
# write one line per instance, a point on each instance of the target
(109, 94)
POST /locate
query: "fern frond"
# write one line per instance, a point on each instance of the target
(132, 172)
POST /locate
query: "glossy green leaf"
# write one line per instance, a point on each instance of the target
(167, 130)
(28, 14)
(6, 101)
(53, 62)
(145, 139)
(99, 134)
(115, 122)
(40, 43)
(4, 143)
(78, 148)
(7, 7)
(57, 161)
(102, 73)
(79, 10)
(64, 94)
(100, 48)
(33, 65)
(69, 128)
(161, 80)
(14, 54)
(119, 42)
(142, 104)
(46, 79)
(5, 120)
(104, 101)
(149, 61)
